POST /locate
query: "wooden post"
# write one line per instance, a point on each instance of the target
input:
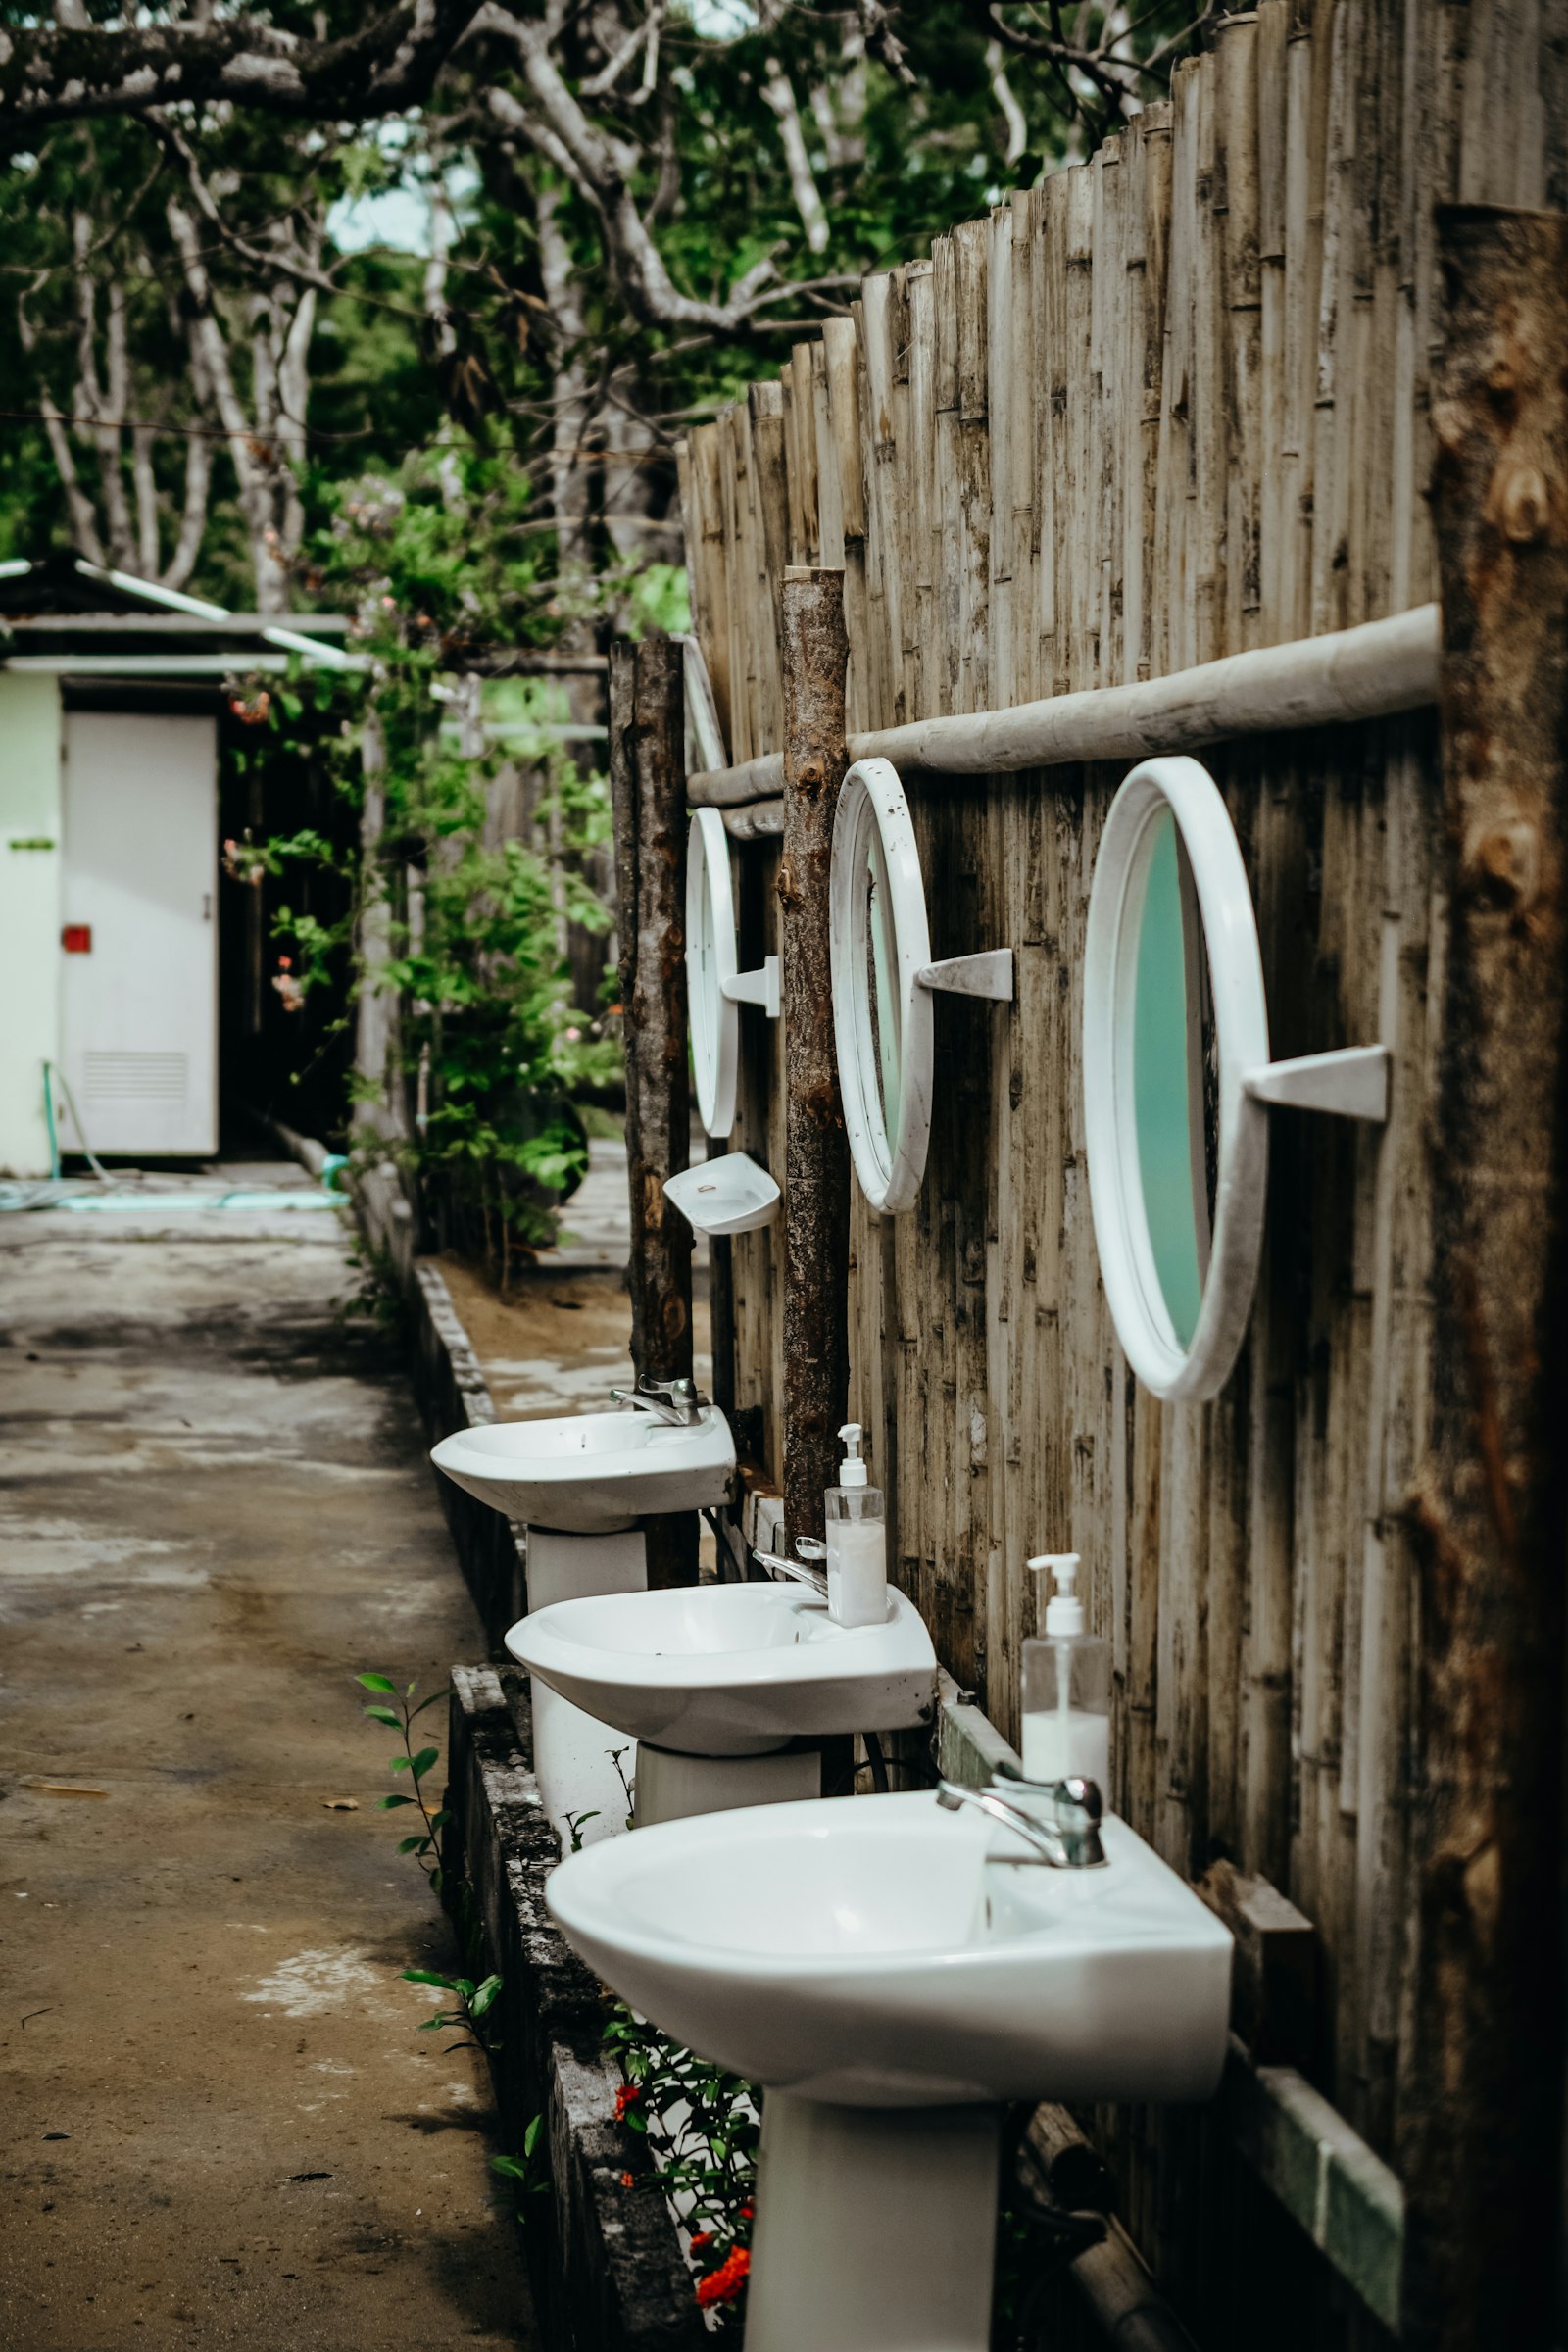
(1480, 2142)
(377, 1009)
(816, 1152)
(648, 788)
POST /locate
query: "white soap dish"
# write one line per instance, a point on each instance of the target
(733, 1195)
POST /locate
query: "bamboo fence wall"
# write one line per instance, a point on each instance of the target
(1169, 405)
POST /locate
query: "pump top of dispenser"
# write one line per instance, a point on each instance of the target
(1065, 1613)
(852, 1470)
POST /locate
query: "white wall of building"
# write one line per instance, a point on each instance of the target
(31, 811)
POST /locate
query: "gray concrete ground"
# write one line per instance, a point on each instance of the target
(221, 2127)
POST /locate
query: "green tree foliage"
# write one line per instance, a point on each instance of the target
(438, 567)
(660, 198)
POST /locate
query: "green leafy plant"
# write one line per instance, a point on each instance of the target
(465, 932)
(528, 2173)
(400, 1709)
(703, 2125)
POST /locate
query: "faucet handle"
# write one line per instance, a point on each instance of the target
(1081, 1796)
(810, 1547)
(1074, 1806)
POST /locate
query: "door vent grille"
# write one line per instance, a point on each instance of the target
(134, 1077)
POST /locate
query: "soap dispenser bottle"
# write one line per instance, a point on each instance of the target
(856, 1541)
(1066, 1688)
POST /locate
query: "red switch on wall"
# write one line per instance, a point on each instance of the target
(77, 939)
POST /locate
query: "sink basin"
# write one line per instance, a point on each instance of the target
(731, 1670)
(592, 1473)
(733, 1195)
(868, 1953)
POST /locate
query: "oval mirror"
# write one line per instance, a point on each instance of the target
(1175, 1029)
(710, 963)
(881, 1013)
(715, 989)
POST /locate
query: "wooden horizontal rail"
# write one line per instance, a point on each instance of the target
(758, 779)
(755, 822)
(1330, 2184)
(1372, 671)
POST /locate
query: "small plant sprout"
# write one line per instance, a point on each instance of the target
(629, 1784)
(576, 1822)
(529, 2173)
(400, 1709)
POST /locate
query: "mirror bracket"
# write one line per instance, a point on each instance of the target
(756, 988)
(1352, 1083)
(985, 975)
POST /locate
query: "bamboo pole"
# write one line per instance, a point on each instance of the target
(755, 820)
(816, 1155)
(648, 788)
(1372, 671)
(1481, 2127)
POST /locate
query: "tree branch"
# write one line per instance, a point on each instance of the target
(599, 167)
(1012, 111)
(778, 96)
(66, 71)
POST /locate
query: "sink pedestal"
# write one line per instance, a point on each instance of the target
(876, 2227)
(671, 1786)
(572, 1751)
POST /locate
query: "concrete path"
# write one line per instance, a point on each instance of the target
(218, 2124)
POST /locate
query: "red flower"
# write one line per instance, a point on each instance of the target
(700, 2238)
(626, 2096)
(746, 2211)
(724, 2285)
(626, 2180)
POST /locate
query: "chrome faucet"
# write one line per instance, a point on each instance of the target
(800, 1571)
(1068, 1840)
(675, 1401)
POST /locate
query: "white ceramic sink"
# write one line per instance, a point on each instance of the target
(867, 1953)
(733, 1195)
(592, 1473)
(731, 1670)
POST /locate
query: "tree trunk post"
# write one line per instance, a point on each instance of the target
(375, 1012)
(1481, 2137)
(648, 788)
(816, 1152)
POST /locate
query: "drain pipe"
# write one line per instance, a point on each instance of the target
(1117, 2292)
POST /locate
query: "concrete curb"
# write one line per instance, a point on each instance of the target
(603, 2260)
(452, 1395)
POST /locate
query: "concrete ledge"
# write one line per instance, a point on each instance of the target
(452, 1395)
(604, 2262)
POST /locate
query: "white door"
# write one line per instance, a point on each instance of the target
(140, 961)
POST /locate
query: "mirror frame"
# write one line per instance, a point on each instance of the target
(712, 1014)
(873, 816)
(1133, 1287)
